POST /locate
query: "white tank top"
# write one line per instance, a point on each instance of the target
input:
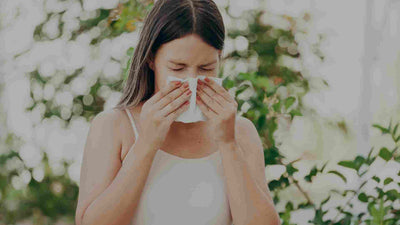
(182, 191)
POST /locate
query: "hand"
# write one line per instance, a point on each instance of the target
(218, 106)
(159, 111)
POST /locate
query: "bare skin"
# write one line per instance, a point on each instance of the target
(186, 140)
(115, 166)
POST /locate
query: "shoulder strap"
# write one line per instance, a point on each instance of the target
(132, 123)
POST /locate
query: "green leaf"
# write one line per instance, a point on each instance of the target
(387, 181)
(277, 107)
(363, 197)
(312, 173)
(358, 161)
(323, 167)
(265, 83)
(383, 130)
(385, 154)
(372, 210)
(326, 200)
(395, 128)
(289, 102)
(397, 139)
(393, 194)
(290, 169)
(377, 179)
(295, 112)
(339, 174)
(347, 163)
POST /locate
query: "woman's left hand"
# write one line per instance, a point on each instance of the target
(219, 107)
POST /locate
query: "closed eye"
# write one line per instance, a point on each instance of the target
(177, 69)
(201, 69)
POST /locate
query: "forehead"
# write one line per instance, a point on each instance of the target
(190, 48)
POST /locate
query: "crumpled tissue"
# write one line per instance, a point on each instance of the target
(193, 113)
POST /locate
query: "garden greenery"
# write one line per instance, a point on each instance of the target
(54, 197)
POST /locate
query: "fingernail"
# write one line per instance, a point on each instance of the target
(189, 92)
(206, 79)
(186, 85)
(177, 83)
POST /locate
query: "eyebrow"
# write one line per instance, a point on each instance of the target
(179, 63)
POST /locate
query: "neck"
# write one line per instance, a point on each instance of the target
(179, 129)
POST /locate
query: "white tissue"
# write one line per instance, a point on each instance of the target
(193, 113)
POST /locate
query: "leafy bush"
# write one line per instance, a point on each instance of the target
(53, 198)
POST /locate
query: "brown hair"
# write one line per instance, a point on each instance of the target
(169, 20)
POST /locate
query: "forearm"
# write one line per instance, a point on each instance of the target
(248, 203)
(118, 202)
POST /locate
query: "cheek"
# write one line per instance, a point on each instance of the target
(213, 73)
(161, 75)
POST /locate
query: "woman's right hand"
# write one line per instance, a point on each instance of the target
(159, 111)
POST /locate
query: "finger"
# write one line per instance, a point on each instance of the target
(173, 115)
(164, 91)
(210, 102)
(217, 88)
(209, 113)
(175, 104)
(170, 97)
(210, 92)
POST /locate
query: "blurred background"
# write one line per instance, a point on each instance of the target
(319, 79)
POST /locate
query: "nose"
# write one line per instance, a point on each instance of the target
(191, 73)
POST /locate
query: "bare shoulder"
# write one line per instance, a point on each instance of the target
(107, 130)
(247, 134)
(245, 128)
(108, 117)
(111, 120)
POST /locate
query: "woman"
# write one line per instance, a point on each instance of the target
(140, 166)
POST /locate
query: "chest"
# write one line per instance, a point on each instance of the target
(184, 192)
(190, 147)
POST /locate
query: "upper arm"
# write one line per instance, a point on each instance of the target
(250, 142)
(100, 162)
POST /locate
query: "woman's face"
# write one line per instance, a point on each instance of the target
(185, 57)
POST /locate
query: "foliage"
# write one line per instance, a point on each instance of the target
(54, 197)
(380, 201)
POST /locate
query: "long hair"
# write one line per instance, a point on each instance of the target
(168, 20)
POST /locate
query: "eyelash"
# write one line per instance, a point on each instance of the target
(182, 68)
